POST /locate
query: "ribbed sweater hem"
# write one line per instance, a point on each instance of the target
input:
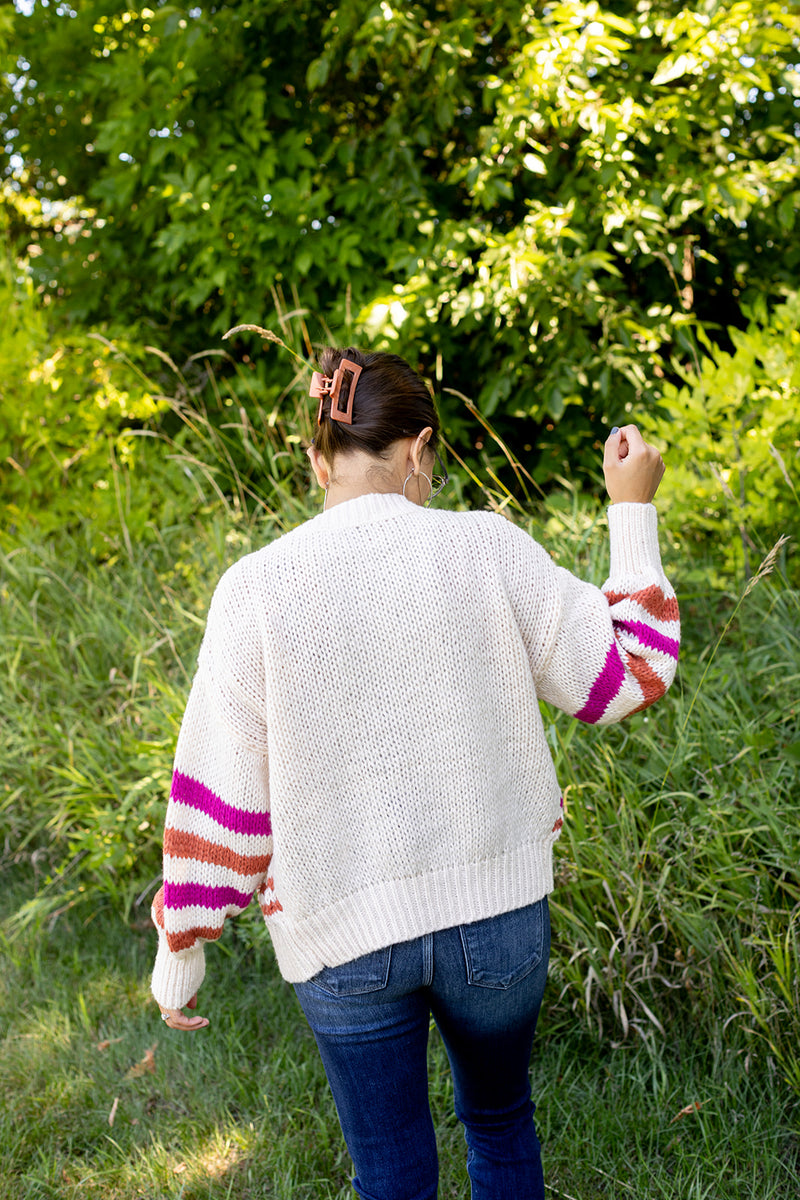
(398, 910)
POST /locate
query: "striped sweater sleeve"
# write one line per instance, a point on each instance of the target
(615, 650)
(218, 835)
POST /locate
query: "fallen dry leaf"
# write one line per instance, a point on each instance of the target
(113, 1112)
(108, 1042)
(146, 1066)
(695, 1106)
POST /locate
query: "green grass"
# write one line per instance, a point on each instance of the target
(243, 1110)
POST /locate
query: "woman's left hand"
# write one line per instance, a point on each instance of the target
(174, 1018)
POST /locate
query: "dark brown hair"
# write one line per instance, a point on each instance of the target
(391, 401)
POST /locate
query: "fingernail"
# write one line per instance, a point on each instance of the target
(615, 430)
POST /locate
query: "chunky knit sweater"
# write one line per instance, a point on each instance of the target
(363, 748)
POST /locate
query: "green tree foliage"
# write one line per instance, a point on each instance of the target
(634, 177)
(539, 204)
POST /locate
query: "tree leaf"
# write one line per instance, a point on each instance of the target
(674, 67)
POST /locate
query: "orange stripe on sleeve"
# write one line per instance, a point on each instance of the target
(180, 844)
(652, 600)
(653, 687)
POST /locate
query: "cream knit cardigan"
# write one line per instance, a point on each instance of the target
(362, 747)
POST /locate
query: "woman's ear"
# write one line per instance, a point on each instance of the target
(417, 449)
(319, 466)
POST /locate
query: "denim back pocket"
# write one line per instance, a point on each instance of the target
(500, 951)
(366, 974)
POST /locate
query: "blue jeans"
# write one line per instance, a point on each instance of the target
(483, 985)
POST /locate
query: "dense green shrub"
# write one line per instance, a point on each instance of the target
(70, 415)
(117, 439)
(732, 433)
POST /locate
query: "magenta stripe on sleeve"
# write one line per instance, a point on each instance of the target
(190, 895)
(650, 637)
(196, 795)
(604, 688)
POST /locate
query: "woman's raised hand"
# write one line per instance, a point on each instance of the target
(632, 468)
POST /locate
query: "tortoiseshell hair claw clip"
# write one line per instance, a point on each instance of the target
(346, 374)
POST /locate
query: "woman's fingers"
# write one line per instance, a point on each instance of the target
(174, 1018)
(633, 469)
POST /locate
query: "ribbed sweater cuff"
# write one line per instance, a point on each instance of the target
(176, 977)
(633, 529)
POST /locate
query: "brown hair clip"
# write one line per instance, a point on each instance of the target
(323, 385)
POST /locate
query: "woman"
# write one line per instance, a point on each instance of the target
(363, 750)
